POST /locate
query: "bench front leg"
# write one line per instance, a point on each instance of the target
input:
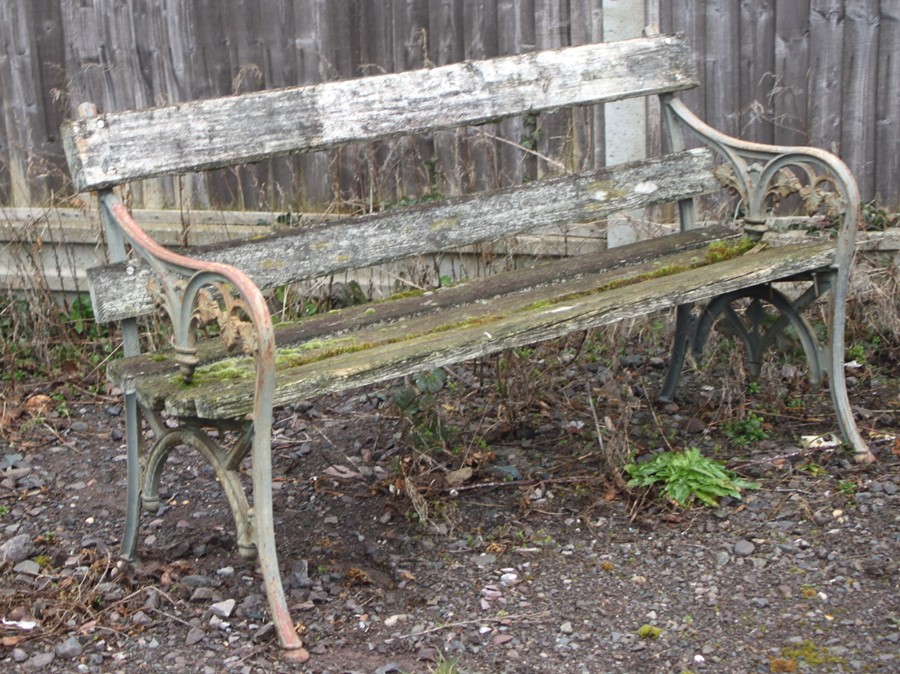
(182, 297)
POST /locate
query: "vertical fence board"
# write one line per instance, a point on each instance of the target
(757, 69)
(516, 35)
(585, 27)
(887, 108)
(445, 46)
(31, 122)
(721, 66)
(689, 17)
(790, 93)
(480, 165)
(788, 71)
(826, 23)
(858, 95)
(551, 30)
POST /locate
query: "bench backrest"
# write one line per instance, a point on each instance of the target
(120, 147)
(114, 148)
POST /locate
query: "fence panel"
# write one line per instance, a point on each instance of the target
(789, 71)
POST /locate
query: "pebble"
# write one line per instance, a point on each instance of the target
(194, 636)
(69, 649)
(41, 660)
(223, 609)
(17, 549)
(391, 621)
(566, 628)
(744, 548)
(28, 567)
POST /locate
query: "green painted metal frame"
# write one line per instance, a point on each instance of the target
(755, 168)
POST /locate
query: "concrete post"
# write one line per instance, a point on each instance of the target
(626, 121)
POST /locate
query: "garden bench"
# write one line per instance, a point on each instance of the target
(191, 394)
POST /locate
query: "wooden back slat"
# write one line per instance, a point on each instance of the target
(119, 147)
(120, 291)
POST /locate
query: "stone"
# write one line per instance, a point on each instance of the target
(223, 609)
(28, 567)
(41, 661)
(17, 549)
(194, 636)
(69, 649)
(744, 548)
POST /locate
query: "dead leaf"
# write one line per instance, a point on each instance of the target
(358, 576)
(342, 473)
(459, 476)
(37, 405)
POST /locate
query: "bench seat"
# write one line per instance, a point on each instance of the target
(384, 340)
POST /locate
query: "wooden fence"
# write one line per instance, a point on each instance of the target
(789, 71)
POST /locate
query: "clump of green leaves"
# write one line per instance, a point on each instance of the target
(745, 431)
(419, 404)
(688, 476)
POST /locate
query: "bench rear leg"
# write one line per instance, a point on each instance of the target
(685, 326)
(197, 438)
(764, 329)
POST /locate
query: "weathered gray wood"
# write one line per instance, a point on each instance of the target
(588, 271)
(721, 73)
(791, 86)
(124, 55)
(120, 147)
(757, 70)
(826, 26)
(305, 253)
(859, 93)
(472, 331)
(887, 107)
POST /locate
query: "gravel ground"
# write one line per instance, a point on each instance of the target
(538, 562)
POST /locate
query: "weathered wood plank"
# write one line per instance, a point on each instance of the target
(721, 74)
(120, 291)
(477, 330)
(887, 106)
(120, 147)
(826, 31)
(859, 92)
(791, 87)
(591, 269)
(757, 70)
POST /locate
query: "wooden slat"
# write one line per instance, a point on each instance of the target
(887, 108)
(594, 267)
(120, 292)
(119, 147)
(478, 329)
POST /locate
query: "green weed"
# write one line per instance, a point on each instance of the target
(745, 431)
(688, 476)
